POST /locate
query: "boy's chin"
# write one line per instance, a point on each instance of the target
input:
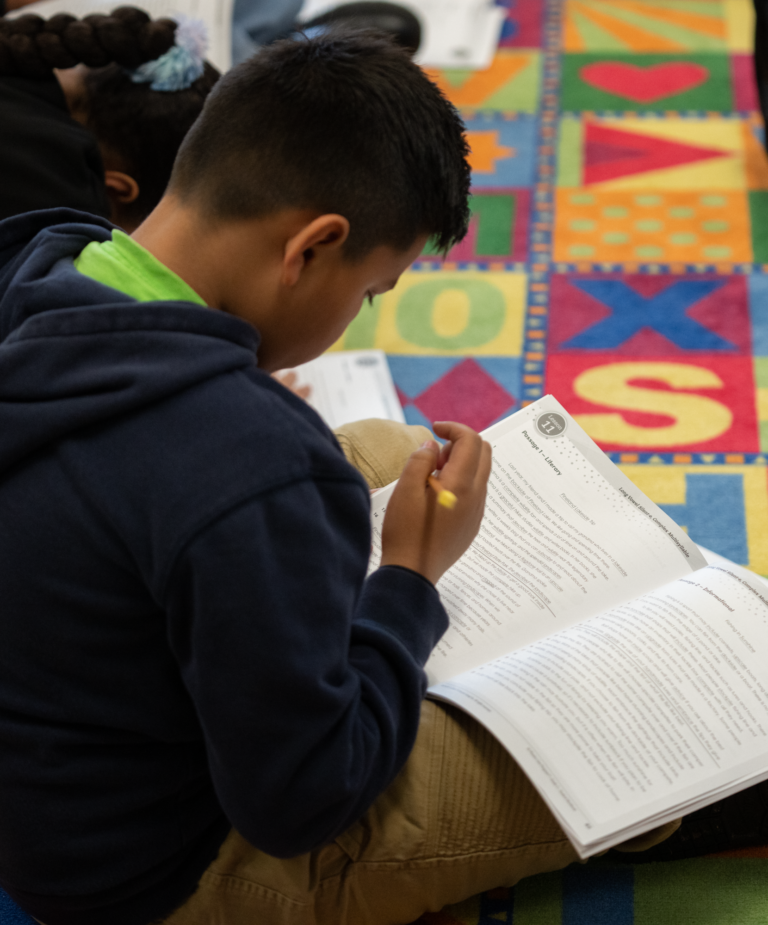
(287, 362)
(277, 361)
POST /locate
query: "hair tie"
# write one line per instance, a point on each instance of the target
(182, 64)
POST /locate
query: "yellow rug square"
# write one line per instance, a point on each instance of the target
(468, 313)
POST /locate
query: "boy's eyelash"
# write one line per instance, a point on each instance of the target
(369, 297)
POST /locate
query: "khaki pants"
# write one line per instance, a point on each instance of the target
(459, 819)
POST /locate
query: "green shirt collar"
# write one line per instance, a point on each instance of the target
(130, 268)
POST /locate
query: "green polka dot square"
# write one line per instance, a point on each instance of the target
(687, 227)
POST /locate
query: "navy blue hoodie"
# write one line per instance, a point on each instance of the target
(189, 642)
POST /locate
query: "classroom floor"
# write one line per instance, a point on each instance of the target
(617, 258)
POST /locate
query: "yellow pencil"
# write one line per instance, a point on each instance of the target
(444, 497)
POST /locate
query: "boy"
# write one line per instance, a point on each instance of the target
(196, 679)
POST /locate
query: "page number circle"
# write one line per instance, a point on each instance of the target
(551, 424)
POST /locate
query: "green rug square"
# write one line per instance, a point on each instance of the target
(646, 83)
(758, 214)
(706, 891)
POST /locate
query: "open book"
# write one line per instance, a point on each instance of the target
(626, 676)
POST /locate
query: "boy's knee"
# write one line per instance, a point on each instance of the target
(649, 839)
(379, 449)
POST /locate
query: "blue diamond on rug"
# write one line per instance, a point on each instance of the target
(10, 914)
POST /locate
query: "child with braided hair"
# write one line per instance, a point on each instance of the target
(94, 110)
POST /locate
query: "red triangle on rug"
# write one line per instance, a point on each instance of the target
(600, 153)
(610, 153)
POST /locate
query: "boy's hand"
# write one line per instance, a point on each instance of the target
(289, 379)
(422, 535)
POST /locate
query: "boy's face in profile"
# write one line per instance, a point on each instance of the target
(285, 273)
(321, 306)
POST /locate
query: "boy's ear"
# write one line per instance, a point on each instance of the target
(324, 235)
(121, 188)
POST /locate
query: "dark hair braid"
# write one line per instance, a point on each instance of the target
(31, 46)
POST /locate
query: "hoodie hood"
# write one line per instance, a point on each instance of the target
(75, 353)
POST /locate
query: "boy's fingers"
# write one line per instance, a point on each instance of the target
(451, 430)
(486, 461)
(420, 465)
(445, 452)
(461, 465)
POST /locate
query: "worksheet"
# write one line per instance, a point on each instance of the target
(351, 385)
(626, 676)
(565, 535)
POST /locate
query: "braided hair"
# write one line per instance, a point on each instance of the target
(143, 127)
(31, 46)
(137, 126)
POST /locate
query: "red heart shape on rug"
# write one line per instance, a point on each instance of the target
(644, 84)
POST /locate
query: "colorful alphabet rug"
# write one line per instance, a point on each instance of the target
(617, 258)
(617, 255)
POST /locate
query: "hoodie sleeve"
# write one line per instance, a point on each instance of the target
(307, 679)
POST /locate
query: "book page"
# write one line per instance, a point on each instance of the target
(351, 385)
(655, 707)
(216, 14)
(560, 540)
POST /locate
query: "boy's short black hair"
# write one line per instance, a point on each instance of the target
(343, 123)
